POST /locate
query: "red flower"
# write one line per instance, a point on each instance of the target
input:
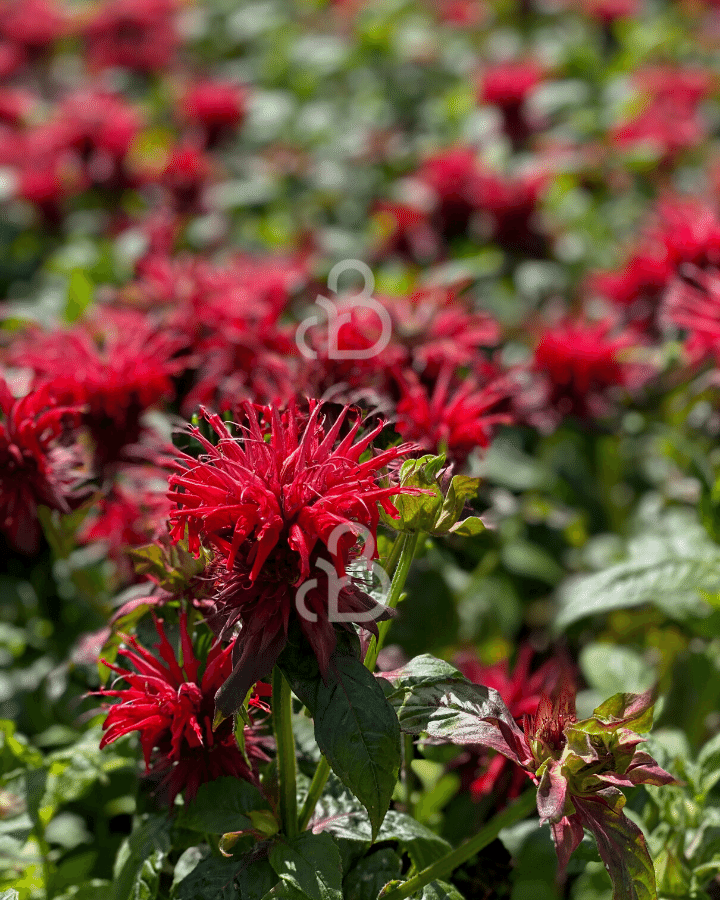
(507, 85)
(100, 127)
(438, 330)
(510, 203)
(130, 515)
(694, 306)
(117, 366)
(31, 24)
(580, 363)
(451, 176)
(16, 104)
(136, 34)
(671, 120)
(607, 11)
(454, 417)
(268, 502)
(216, 106)
(171, 704)
(522, 692)
(38, 465)
(186, 174)
(683, 230)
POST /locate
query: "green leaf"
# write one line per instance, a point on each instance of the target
(634, 711)
(214, 878)
(10, 894)
(668, 568)
(371, 874)
(222, 805)
(15, 752)
(450, 708)
(709, 763)
(136, 873)
(438, 509)
(356, 729)
(439, 890)
(310, 864)
(339, 813)
(96, 889)
(610, 668)
(80, 295)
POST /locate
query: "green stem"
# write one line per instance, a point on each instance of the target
(399, 560)
(445, 866)
(408, 778)
(407, 553)
(282, 725)
(394, 555)
(322, 772)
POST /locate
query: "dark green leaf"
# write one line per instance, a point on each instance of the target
(339, 813)
(371, 874)
(450, 708)
(136, 872)
(222, 805)
(214, 878)
(355, 727)
(621, 845)
(310, 864)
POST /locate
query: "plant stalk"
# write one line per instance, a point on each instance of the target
(282, 725)
(407, 553)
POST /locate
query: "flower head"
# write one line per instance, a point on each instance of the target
(137, 34)
(455, 416)
(281, 505)
(38, 464)
(116, 365)
(170, 703)
(581, 362)
(579, 768)
(216, 107)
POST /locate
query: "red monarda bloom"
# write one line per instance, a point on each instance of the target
(694, 306)
(171, 705)
(268, 502)
(215, 106)
(455, 416)
(507, 85)
(581, 362)
(116, 366)
(37, 466)
(137, 34)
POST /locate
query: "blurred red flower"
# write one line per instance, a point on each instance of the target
(579, 364)
(39, 463)
(454, 416)
(136, 34)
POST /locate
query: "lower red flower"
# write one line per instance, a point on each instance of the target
(171, 704)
